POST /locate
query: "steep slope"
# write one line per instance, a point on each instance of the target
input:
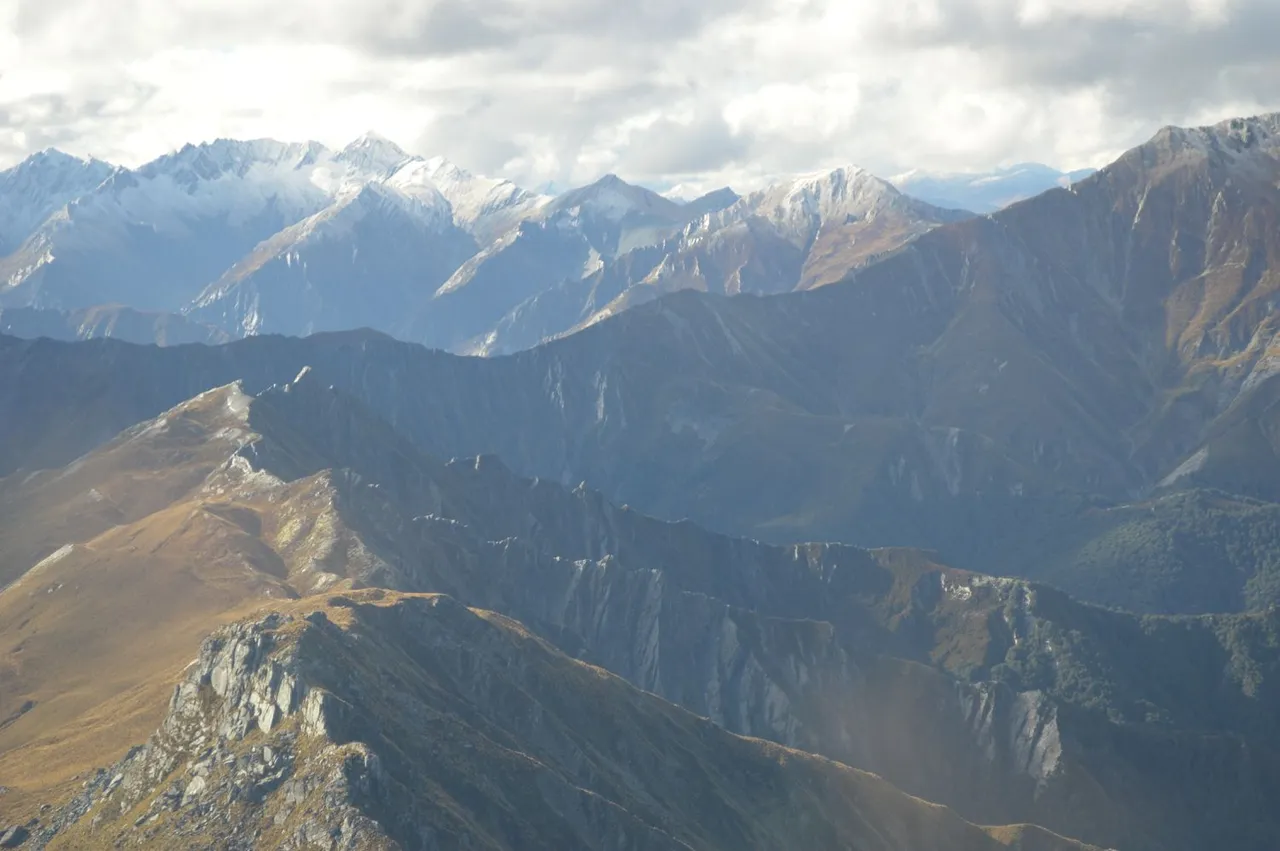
(1006, 701)
(843, 218)
(484, 207)
(152, 238)
(38, 187)
(374, 155)
(795, 235)
(616, 216)
(986, 192)
(142, 548)
(752, 416)
(187, 489)
(209, 231)
(358, 263)
(115, 321)
(527, 749)
(565, 239)
(1012, 390)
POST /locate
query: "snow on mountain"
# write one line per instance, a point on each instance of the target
(154, 237)
(985, 192)
(373, 155)
(428, 209)
(38, 187)
(565, 239)
(800, 206)
(1235, 143)
(484, 206)
(258, 236)
(235, 180)
(613, 199)
(804, 232)
(361, 262)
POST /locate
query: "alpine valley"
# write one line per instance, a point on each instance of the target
(352, 501)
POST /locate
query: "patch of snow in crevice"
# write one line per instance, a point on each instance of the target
(51, 559)
(54, 557)
(1266, 367)
(1192, 465)
(238, 402)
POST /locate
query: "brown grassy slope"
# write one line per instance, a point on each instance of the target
(144, 469)
(526, 749)
(90, 638)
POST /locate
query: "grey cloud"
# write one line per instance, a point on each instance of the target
(480, 129)
(540, 89)
(1149, 66)
(418, 28)
(442, 28)
(672, 148)
(88, 121)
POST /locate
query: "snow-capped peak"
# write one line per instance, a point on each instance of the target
(612, 198)
(356, 202)
(375, 154)
(38, 187)
(1230, 140)
(799, 205)
(476, 201)
(210, 160)
(848, 190)
(230, 180)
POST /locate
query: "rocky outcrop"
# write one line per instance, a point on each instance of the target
(295, 731)
(1007, 701)
(246, 751)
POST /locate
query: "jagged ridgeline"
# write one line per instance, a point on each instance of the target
(560, 598)
(1007, 702)
(236, 238)
(1079, 389)
(384, 721)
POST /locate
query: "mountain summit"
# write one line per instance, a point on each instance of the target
(375, 154)
(40, 186)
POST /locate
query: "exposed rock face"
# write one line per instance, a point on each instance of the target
(295, 729)
(1019, 391)
(986, 695)
(255, 237)
(14, 837)
(229, 744)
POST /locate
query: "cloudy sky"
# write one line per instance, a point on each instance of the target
(665, 91)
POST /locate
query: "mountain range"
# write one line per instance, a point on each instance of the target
(1006, 701)
(832, 519)
(235, 238)
(1061, 390)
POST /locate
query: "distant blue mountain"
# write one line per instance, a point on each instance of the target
(989, 191)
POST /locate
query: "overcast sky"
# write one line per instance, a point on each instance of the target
(705, 92)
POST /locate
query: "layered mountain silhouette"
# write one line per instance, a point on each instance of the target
(1079, 389)
(571, 597)
(257, 237)
(1005, 701)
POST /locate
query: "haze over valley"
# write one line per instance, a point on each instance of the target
(642, 451)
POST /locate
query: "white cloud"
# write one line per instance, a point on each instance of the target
(667, 92)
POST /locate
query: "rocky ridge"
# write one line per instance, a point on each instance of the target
(1004, 700)
(281, 734)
